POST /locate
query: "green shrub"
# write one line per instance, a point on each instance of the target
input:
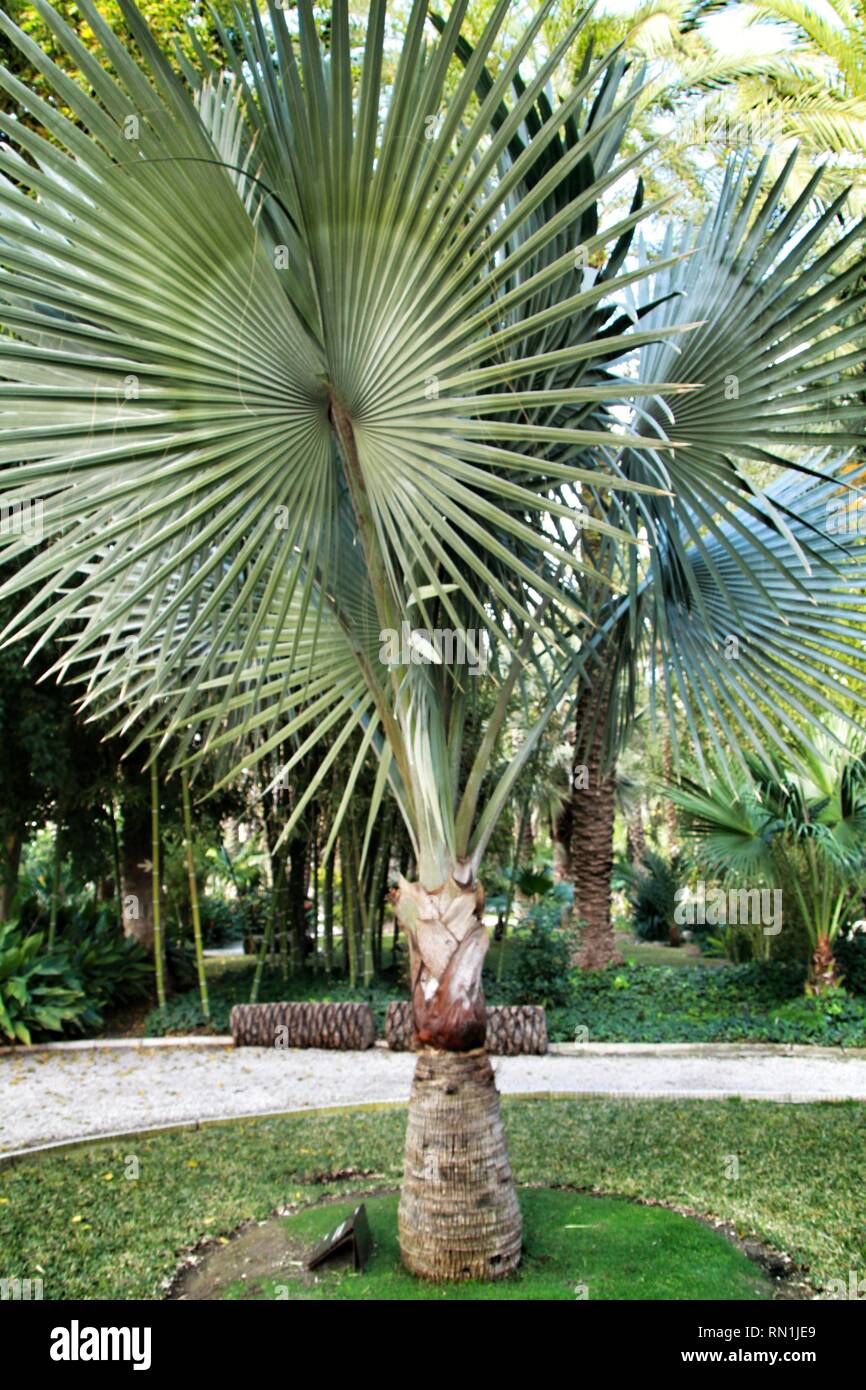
(650, 888)
(111, 968)
(732, 1003)
(39, 993)
(540, 960)
(91, 968)
(225, 920)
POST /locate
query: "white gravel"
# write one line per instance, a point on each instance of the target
(84, 1092)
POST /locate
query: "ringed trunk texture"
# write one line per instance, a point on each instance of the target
(458, 1216)
(512, 1029)
(590, 852)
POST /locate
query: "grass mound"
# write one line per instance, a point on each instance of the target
(576, 1247)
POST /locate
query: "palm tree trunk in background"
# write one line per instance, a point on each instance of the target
(590, 852)
(458, 1215)
(670, 808)
(635, 838)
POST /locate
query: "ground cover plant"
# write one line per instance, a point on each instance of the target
(96, 1225)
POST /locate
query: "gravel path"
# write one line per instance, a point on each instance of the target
(83, 1092)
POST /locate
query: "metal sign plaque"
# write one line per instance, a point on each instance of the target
(352, 1234)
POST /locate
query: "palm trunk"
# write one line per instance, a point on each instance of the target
(823, 970)
(635, 839)
(458, 1216)
(590, 820)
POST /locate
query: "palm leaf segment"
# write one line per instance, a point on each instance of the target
(752, 598)
(736, 821)
(259, 395)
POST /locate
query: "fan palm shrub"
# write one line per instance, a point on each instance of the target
(306, 374)
(802, 832)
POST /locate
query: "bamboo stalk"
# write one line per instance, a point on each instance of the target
(515, 860)
(193, 895)
(328, 896)
(315, 890)
(350, 944)
(158, 960)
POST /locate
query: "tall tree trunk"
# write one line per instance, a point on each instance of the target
(13, 842)
(297, 896)
(458, 1215)
(590, 821)
(635, 839)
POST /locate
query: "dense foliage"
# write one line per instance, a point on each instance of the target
(70, 987)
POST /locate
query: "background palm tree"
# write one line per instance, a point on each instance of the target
(818, 98)
(801, 832)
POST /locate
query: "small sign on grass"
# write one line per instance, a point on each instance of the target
(352, 1234)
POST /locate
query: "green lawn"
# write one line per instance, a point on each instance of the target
(89, 1231)
(574, 1247)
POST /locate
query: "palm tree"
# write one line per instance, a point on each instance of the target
(733, 620)
(262, 332)
(802, 832)
(307, 379)
(818, 97)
